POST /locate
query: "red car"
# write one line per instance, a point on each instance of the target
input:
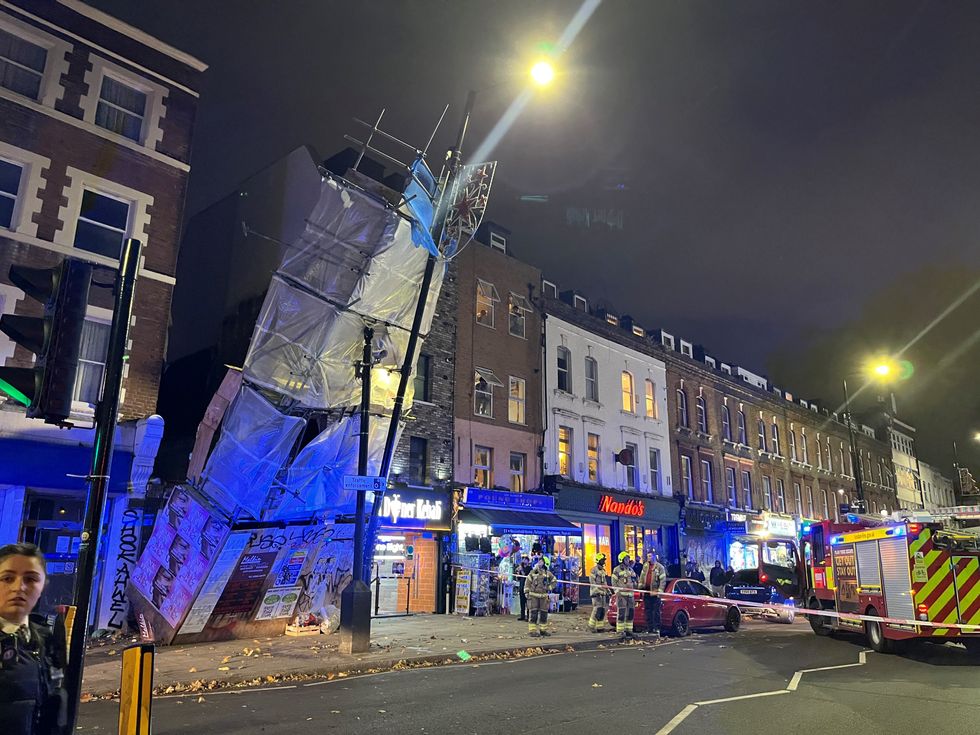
(680, 616)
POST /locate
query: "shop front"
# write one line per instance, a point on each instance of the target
(704, 537)
(611, 522)
(406, 569)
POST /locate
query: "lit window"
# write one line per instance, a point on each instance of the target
(594, 458)
(628, 397)
(726, 423)
(687, 479)
(517, 308)
(731, 484)
(102, 223)
(21, 65)
(564, 451)
(483, 466)
(121, 109)
(631, 466)
(518, 472)
(91, 361)
(651, 400)
(702, 410)
(707, 486)
(591, 380)
(766, 492)
(10, 174)
(484, 382)
(682, 417)
(742, 437)
(564, 369)
(486, 297)
(516, 401)
(655, 481)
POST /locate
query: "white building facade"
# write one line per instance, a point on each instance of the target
(937, 491)
(906, 464)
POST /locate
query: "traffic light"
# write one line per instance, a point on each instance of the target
(55, 338)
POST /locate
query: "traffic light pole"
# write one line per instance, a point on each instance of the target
(98, 480)
(855, 458)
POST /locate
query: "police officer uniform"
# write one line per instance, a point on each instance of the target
(32, 658)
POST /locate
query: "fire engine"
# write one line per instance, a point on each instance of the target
(910, 566)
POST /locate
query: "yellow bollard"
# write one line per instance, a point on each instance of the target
(136, 690)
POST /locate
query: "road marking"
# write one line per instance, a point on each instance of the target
(829, 668)
(743, 696)
(207, 693)
(678, 719)
(795, 681)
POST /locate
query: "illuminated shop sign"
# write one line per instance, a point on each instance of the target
(478, 497)
(631, 507)
(780, 526)
(396, 510)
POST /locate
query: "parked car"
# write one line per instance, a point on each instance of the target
(680, 616)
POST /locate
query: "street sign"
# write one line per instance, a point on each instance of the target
(362, 483)
(409, 552)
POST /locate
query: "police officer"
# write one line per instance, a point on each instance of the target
(32, 648)
(540, 582)
(624, 581)
(599, 592)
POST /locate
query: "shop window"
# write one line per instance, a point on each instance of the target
(564, 370)
(730, 482)
(631, 478)
(482, 466)
(780, 496)
(517, 308)
(486, 297)
(516, 401)
(595, 539)
(682, 418)
(638, 541)
(726, 423)
(707, 486)
(10, 175)
(102, 223)
(747, 487)
(423, 388)
(564, 451)
(702, 410)
(21, 65)
(591, 380)
(766, 492)
(656, 484)
(742, 437)
(594, 452)
(629, 399)
(687, 478)
(417, 453)
(651, 399)
(518, 472)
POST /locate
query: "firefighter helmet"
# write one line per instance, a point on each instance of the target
(623, 556)
(599, 558)
(546, 560)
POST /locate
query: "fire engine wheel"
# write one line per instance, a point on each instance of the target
(876, 637)
(733, 621)
(819, 624)
(681, 625)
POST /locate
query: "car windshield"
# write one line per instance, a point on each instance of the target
(779, 553)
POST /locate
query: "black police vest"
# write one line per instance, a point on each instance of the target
(31, 700)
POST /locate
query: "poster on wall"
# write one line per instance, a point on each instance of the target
(178, 555)
(245, 584)
(290, 568)
(464, 581)
(278, 602)
(215, 584)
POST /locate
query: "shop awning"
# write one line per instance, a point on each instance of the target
(515, 521)
(58, 466)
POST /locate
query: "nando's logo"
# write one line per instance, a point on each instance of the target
(631, 507)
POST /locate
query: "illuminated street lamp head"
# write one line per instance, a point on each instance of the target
(883, 369)
(543, 73)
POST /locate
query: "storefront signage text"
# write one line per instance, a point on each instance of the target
(631, 507)
(394, 509)
(481, 497)
(777, 526)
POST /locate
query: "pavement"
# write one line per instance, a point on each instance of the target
(396, 642)
(765, 678)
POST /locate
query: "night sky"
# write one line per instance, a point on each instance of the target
(794, 185)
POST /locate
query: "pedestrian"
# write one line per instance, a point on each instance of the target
(33, 648)
(653, 580)
(599, 592)
(540, 583)
(718, 579)
(522, 571)
(624, 582)
(695, 572)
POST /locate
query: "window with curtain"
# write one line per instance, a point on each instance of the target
(629, 399)
(631, 478)
(591, 380)
(766, 492)
(651, 399)
(564, 451)
(518, 472)
(121, 109)
(743, 438)
(483, 466)
(775, 439)
(682, 416)
(594, 452)
(731, 484)
(726, 423)
(21, 65)
(707, 486)
(762, 435)
(91, 361)
(702, 415)
(792, 445)
(655, 481)
(517, 400)
(687, 476)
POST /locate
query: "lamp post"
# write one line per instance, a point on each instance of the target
(855, 459)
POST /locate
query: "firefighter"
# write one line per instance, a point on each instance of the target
(599, 592)
(624, 581)
(539, 583)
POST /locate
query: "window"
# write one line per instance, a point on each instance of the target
(516, 401)
(422, 385)
(628, 397)
(498, 242)
(780, 496)
(792, 445)
(591, 380)
(707, 489)
(91, 361)
(798, 497)
(655, 481)
(564, 451)
(747, 487)
(518, 472)
(482, 466)
(121, 109)
(762, 435)
(731, 484)
(726, 423)
(564, 369)
(651, 399)
(702, 415)
(686, 476)
(766, 492)
(804, 447)
(482, 395)
(21, 65)
(809, 501)
(631, 479)
(594, 452)
(517, 308)
(682, 417)
(742, 437)
(10, 174)
(819, 453)
(417, 451)
(830, 457)
(486, 297)
(102, 223)
(826, 505)
(843, 465)
(775, 439)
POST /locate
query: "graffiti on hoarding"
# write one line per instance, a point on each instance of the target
(273, 540)
(331, 572)
(125, 561)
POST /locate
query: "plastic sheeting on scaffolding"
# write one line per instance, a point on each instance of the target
(314, 482)
(254, 444)
(307, 349)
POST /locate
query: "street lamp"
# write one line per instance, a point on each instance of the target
(543, 73)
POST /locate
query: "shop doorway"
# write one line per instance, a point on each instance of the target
(54, 523)
(404, 573)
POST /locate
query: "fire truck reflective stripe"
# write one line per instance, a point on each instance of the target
(938, 584)
(972, 614)
(967, 585)
(946, 613)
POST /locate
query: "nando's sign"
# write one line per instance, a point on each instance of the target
(631, 507)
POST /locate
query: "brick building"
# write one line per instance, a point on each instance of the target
(96, 120)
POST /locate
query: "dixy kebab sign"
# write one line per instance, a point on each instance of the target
(631, 507)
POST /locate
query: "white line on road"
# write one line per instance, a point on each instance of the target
(678, 719)
(795, 681)
(207, 693)
(743, 696)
